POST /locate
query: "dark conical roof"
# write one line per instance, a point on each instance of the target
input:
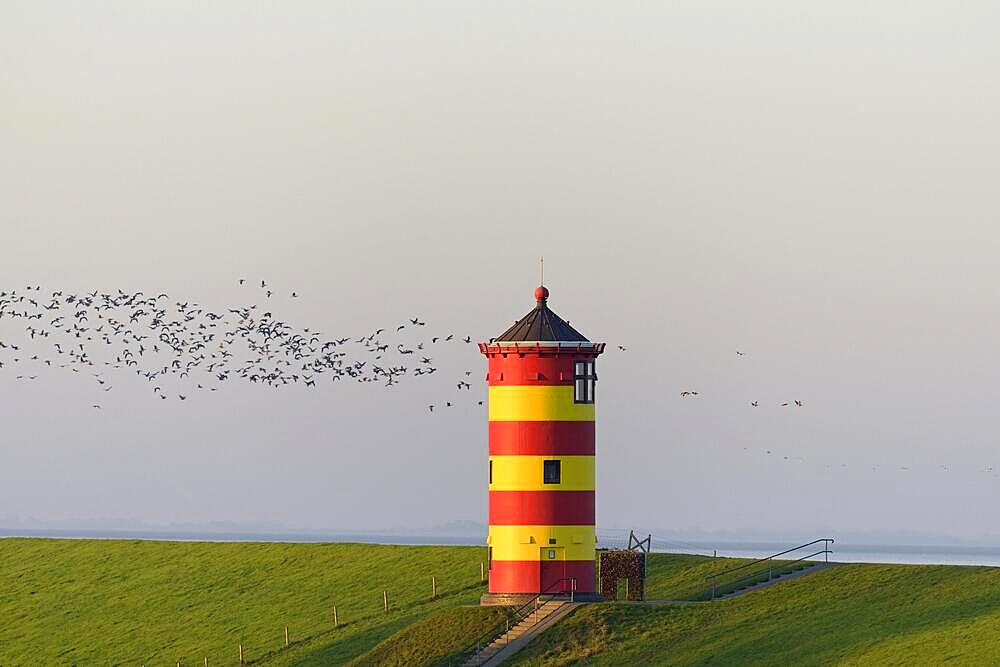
(541, 324)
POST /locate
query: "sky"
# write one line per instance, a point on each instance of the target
(812, 184)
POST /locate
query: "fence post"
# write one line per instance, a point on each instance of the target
(241, 653)
(334, 615)
(385, 600)
(482, 571)
(286, 635)
(434, 587)
(769, 561)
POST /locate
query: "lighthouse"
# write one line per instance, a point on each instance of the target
(541, 377)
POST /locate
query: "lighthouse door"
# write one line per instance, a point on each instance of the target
(553, 568)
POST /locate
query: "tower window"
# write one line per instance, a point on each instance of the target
(491, 471)
(584, 378)
(551, 472)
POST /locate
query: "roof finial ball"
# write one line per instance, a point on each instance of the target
(541, 294)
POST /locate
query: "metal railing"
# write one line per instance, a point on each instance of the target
(515, 617)
(772, 569)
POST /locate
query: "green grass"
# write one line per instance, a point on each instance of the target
(849, 615)
(66, 602)
(432, 641)
(82, 602)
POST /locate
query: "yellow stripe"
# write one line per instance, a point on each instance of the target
(526, 542)
(537, 403)
(526, 473)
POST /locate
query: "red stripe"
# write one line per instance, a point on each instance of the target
(534, 370)
(533, 576)
(541, 508)
(543, 438)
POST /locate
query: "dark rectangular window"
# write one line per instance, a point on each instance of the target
(551, 473)
(491, 471)
(583, 382)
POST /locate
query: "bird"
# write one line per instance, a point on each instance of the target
(431, 408)
(798, 403)
(242, 280)
(783, 405)
(740, 354)
(621, 348)
(753, 404)
(294, 295)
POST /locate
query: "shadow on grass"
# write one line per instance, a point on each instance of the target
(339, 649)
(343, 650)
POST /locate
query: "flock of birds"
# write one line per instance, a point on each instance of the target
(181, 347)
(160, 338)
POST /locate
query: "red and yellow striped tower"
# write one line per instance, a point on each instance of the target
(541, 470)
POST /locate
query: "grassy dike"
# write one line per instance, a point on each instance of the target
(89, 602)
(83, 602)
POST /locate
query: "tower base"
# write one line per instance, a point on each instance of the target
(519, 599)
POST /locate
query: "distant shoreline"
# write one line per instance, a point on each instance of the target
(242, 536)
(843, 553)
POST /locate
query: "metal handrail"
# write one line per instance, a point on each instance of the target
(780, 568)
(767, 558)
(517, 615)
(713, 578)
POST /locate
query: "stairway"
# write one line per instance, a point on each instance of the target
(778, 578)
(518, 636)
